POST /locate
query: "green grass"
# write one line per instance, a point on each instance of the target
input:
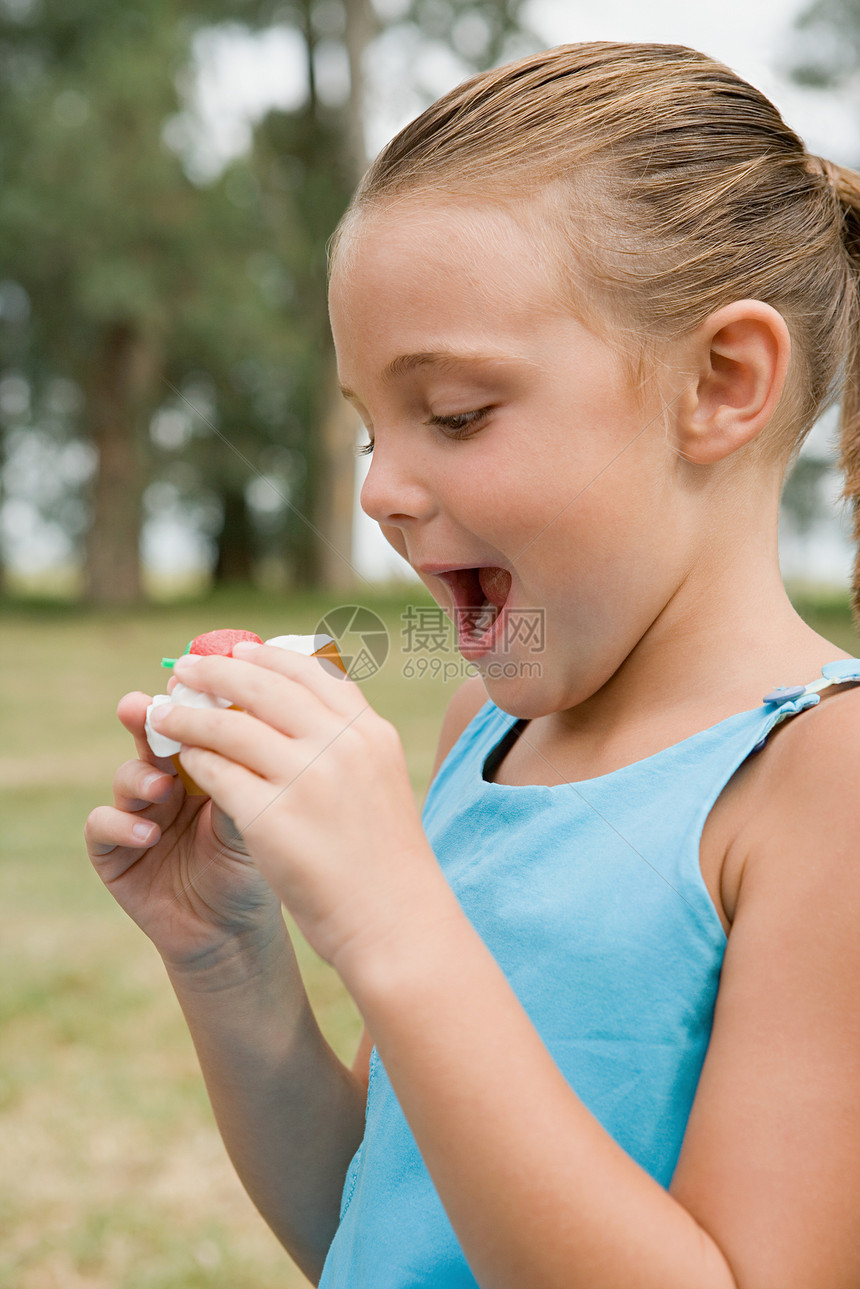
(830, 615)
(113, 1174)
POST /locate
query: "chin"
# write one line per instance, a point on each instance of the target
(522, 695)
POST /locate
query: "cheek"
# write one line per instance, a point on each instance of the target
(576, 541)
(395, 538)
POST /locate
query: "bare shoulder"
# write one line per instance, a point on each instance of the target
(801, 840)
(771, 1159)
(812, 769)
(808, 768)
(467, 701)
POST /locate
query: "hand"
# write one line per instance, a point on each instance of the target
(158, 852)
(317, 784)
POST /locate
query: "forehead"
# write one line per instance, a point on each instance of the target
(421, 254)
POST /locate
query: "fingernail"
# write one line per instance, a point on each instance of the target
(150, 782)
(157, 715)
(187, 660)
(244, 647)
(143, 832)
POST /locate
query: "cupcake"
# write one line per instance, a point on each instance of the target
(222, 642)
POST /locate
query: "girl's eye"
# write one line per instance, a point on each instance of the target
(460, 425)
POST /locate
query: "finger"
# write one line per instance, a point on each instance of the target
(240, 794)
(108, 830)
(234, 734)
(278, 701)
(319, 675)
(131, 710)
(138, 784)
(302, 690)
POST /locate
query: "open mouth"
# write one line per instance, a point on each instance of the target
(480, 595)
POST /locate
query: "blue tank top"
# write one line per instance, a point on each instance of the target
(591, 898)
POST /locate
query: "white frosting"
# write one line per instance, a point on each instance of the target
(180, 696)
(161, 745)
(300, 644)
(309, 645)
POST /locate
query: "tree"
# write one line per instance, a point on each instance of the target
(330, 145)
(141, 280)
(127, 264)
(823, 55)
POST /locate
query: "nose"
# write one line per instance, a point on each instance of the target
(394, 491)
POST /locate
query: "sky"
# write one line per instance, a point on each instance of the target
(751, 36)
(241, 74)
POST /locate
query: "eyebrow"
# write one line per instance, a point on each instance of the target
(440, 359)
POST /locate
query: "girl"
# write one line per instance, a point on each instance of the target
(588, 306)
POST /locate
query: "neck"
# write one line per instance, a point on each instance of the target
(727, 635)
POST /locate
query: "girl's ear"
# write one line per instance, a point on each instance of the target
(739, 360)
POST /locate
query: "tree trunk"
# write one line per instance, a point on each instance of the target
(3, 576)
(235, 561)
(336, 504)
(122, 375)
(336, 501)
(361, 26)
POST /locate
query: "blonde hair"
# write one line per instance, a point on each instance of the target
(678, 188)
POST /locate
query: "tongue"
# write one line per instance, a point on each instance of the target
(496, 585)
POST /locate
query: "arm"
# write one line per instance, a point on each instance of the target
(780, 1190)
(285, 1075)
(466, 701)
(767, 1190)
(291, 1115)
(537, 1191)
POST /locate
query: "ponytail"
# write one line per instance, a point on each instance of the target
(846, 188)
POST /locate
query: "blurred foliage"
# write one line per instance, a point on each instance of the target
(480, 33)
(137, 279)
(823, 55)
(828, 44)
(803, 494)
(187, 312)
(829, 613)
(113, 1174)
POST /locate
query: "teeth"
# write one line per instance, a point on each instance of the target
(477, 621)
